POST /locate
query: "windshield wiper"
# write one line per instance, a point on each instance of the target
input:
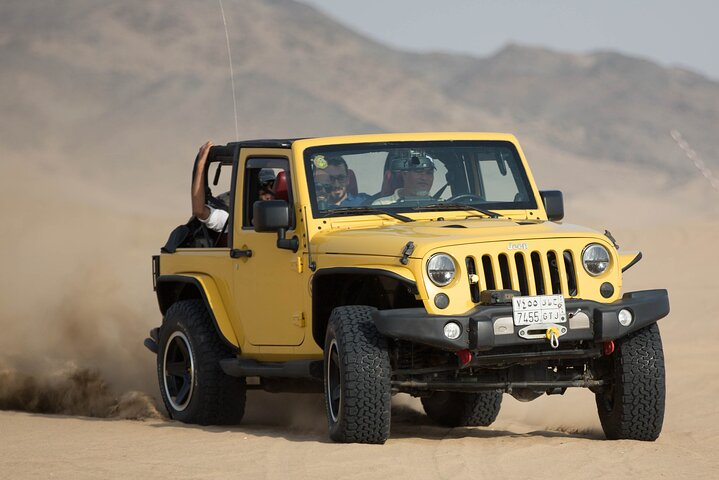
(359, 210)
(461, 206)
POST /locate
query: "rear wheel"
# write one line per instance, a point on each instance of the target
(193, 387)
(457, 409)
(632, 405)
(356, 377)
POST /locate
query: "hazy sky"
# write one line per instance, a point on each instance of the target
(672, 33)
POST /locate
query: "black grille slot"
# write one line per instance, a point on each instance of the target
(537, 270)
(488, 273)
(473, 287)
(554, 272)
(571, 273)
(521, 273)
(504, 269)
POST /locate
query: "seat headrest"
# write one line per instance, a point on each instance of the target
(351, 183)
(281, 187)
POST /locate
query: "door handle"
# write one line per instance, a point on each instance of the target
(236, 253)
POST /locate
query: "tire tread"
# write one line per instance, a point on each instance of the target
(220, 398)
(639, 388)
(367, 391)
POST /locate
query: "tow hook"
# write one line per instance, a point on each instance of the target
(608, 347)
(553, 336)
(464, 356)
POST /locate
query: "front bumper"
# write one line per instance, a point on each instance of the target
(487, 326)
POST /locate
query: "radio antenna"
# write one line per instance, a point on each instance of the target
(232, 76)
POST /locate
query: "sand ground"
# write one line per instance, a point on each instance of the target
(552, 437)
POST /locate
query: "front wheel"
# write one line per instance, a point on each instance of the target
(632, 405)
(193, 387)
(458, 409)
(356, 377)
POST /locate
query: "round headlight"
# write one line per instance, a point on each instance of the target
(595, 259)
(440, 269)
(625, 317)
(452, 330)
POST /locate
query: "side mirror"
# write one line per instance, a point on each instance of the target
(274, 216)
(553, 204)
(270, 215)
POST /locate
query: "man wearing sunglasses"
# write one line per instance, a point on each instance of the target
(338, 177)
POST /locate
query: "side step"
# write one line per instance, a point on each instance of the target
(239, 367)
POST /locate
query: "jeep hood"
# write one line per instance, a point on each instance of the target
(389, 240)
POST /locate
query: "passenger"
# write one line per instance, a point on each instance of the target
(338, 174)
(417, 172)
(267, 182)
(214, 218)
(323, 188)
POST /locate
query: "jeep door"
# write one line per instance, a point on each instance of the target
(268, 286)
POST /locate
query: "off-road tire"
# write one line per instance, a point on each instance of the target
(215, 398)
(632, 406)
(458, 409)
(356, 377)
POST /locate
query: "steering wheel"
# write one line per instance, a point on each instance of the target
(468, 196)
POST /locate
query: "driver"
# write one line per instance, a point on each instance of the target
(417, 172)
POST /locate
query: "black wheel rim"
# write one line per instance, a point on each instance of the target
(334, 389)
(179, 371)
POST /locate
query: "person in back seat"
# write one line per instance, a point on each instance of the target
(214, 218)
(267, 182)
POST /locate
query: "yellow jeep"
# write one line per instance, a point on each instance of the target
(424, 263)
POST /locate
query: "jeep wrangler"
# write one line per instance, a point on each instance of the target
(428, 264)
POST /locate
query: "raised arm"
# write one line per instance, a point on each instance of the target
(199, 209)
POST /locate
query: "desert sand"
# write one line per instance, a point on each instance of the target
(103, 106)
(552, 437)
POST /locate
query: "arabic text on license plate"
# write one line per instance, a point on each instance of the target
(539, 309)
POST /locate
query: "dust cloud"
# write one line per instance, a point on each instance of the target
(71, 391)
(79, 352)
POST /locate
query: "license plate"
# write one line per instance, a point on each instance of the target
(539, 309)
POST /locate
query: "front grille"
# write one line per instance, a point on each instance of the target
(532, 273)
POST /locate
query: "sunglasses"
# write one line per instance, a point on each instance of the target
(323, 188)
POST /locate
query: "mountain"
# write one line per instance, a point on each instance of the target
(603, 104)
(113, 91)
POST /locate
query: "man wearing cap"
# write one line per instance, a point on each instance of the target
(216, 218)
(267, 182)
(416, 169)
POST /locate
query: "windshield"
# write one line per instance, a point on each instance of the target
(417, 176)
